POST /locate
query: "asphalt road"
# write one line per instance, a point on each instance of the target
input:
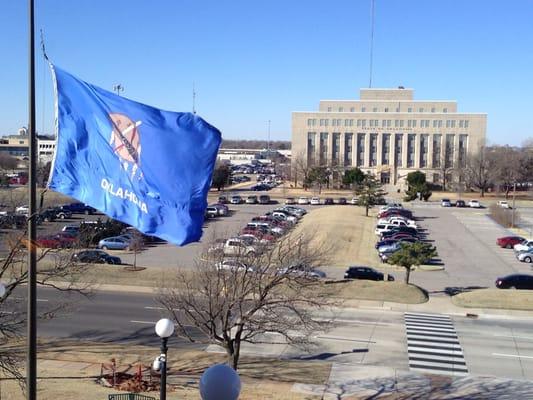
(491, 346)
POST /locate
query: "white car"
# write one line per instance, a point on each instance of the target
(233, 265)
(315, 201)
(474, 204)
(24, 210)
(445, 203)
(354, 201)
(303, 200)
(290, 200)
(503, 204)
(380, 228)
(523, 246)
(236, 247)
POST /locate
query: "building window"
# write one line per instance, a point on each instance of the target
(434, 123)
(448, 123)
(444, 110)
(360, 149)
(461, 123)
(436, 150)
(397, 109)
(411, 138)
(363, 123)
(463, 145)
(375, 109)
(396, 123)
(448, 155)
(409, 109)
(326, 122)
(373, 149)
(323, 147)
(466, 123)
(311, 147)
(348, 148)
(329, 109)
(309, 122)
(371, 123)
(383, 123)
(358, 122)
(432, 109)
(363, 109)
(453, 123)
(420, 109)
(398, 143)
(424, 140)
(385, 149)
(386, 109)
(389, 122)
(401, 123)
(333, 122)
(352, 109)
(335, 150)
(348, 122)
(341, 109)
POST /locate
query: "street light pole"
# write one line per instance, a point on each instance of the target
(164, 329)
(118, 88)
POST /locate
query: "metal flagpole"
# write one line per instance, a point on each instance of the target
(31, 362)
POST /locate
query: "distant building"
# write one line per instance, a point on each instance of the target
(387, 133)
(18, 146)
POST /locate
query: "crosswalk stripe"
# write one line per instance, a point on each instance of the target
(433, 345)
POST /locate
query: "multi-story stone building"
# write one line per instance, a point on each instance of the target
(387, 133)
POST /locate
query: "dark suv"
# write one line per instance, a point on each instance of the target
(365, 273)
(515, 281)
(96, 256)
(79, 208)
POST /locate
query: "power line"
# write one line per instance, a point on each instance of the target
(371, 41)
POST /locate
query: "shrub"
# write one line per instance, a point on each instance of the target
(503, 216)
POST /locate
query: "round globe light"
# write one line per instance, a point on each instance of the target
(2, 290)
(164, 328)
(220, 382)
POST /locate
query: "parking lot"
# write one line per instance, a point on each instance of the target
(466, 243)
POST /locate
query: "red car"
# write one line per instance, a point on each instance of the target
(48, 242)
(509, 241)
(66, 239)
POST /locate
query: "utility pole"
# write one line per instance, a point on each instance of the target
(268, 139)
(371, 41)
(514, 208)
(31, 340)
(118, 88)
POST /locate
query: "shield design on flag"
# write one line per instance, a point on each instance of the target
(125, 140)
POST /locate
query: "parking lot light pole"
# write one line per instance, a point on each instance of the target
(164, 329)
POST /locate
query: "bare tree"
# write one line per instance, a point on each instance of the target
(253, 300)
(7, 162)
(480, 170)
(55, 270)
(300, 168)
(507, 167)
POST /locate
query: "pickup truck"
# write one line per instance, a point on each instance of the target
(236, 247)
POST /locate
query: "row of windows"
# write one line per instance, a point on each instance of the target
(47, 146)
(387, 123)
(387, 109)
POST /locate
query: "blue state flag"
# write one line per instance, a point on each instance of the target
(140, 165)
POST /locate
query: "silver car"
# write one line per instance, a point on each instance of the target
(525, 256)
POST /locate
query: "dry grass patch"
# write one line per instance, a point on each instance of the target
(496, 298)
(345, 231)
(263, 378)
(396, 292)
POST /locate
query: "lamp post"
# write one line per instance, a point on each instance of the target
(118, 88)
(164, 329)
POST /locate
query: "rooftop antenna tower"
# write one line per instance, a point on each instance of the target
(371, 41)
(193, 99)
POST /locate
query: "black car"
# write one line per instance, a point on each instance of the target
(460, 203)
(13, 221)
(48, 215)
(264, 199)
(341, 200)
(365, 273)
(79, 208)
(387, 242)
(96, 256)
(515, 281)
(328, 201)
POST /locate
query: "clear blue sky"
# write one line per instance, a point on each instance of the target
(258, 60)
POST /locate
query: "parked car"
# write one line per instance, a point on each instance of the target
(23, 210)
(328, 201)
(515, 281)
(211, 212)
(315, 201)
(509, 241)
(302, 270)
(222, 209)
(290, 200)
(503, 204)
(114, 243)
(474, 204)
(341, 201)
(354, 201)
(390, 241)
(222, 200)
(79, 208)
(236, 247)
(96, 257)
(62, 212)
(13, 221)
(525, 256)
(445, 203)
(460, 203)
(365, 273)
(75, 229)
(66, 239)
(264, 199)
(303, 200)
(236, 200)
(48, 242)
(252, 200)
(47, 215)
(234, 266)
(524, 245)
